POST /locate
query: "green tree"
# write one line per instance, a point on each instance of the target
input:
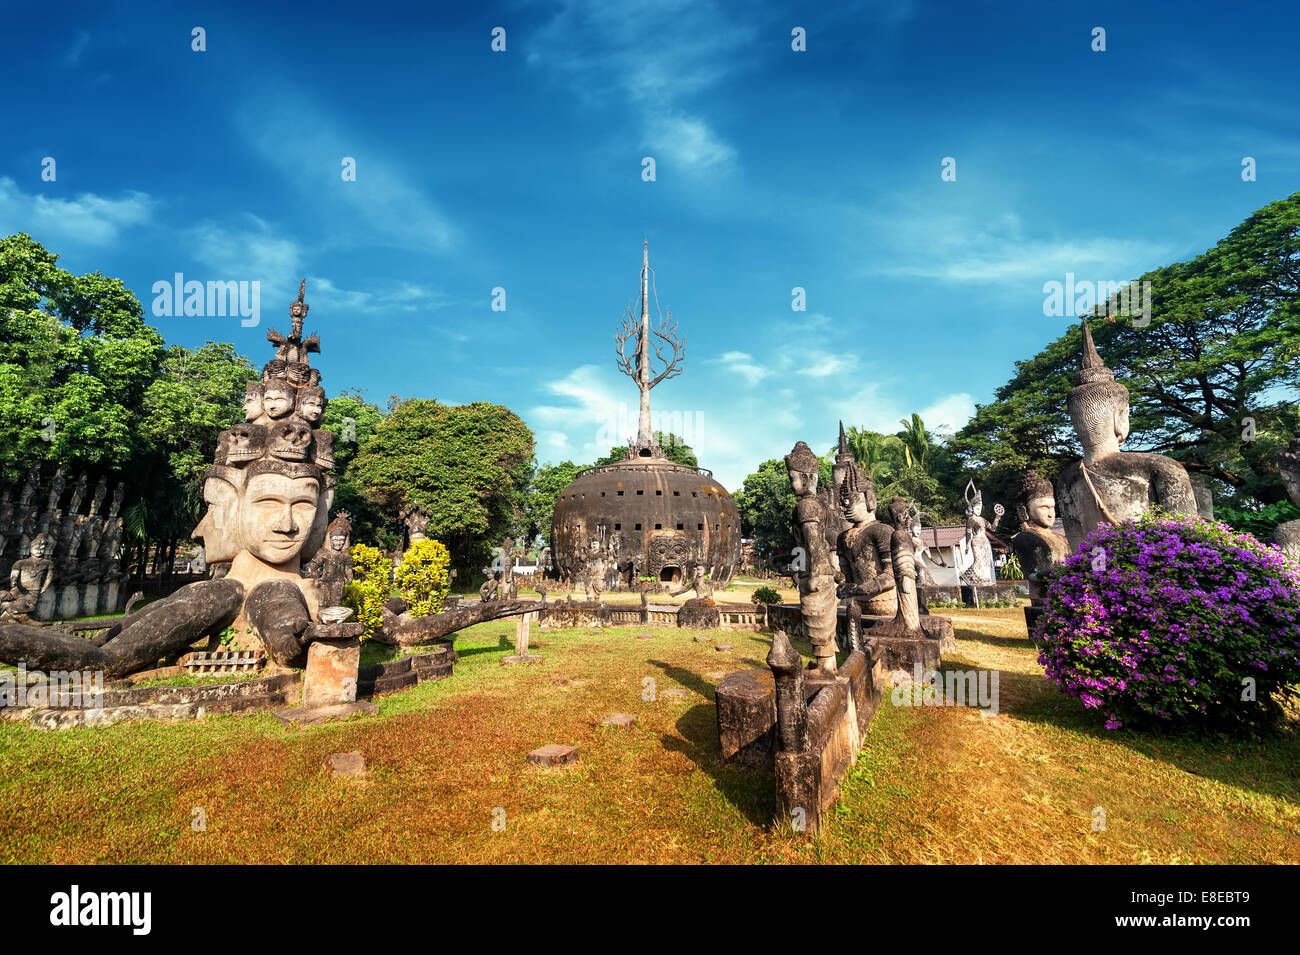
(674, 448)
(547, 483)
(766, 504)
(464, 464)
(1221, 346)
(353, 421)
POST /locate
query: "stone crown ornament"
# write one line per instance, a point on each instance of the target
(802, 459)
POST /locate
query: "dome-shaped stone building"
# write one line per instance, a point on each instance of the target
(645, 516)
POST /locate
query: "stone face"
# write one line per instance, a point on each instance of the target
(346, 765)
(553, 754)
(619, 719)
(332, 669)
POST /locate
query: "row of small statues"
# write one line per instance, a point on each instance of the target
(59, 550)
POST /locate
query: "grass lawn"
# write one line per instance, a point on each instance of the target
(935, 784)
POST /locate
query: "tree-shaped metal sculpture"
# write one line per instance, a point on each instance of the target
(637, 366)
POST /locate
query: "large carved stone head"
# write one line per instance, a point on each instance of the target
(311, 404)
(857, 496)
(219, 527)
(1098, 404)
(277, 510)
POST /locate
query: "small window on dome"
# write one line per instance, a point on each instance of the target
(638, 527)
(699, 527)
(620, 493)
(640, 492)
(677, 493)
(618, 527)
(659, 493)
(659, 527)
(681, 527)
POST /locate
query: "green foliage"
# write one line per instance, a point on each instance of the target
(674, 448)
(422, 577)
(1012, 570)
(369, 589)
(1221, 345)
(1260, 521)
(766, 505)
(466, 465)
(372, 523)
(765, 595)
(547, 482)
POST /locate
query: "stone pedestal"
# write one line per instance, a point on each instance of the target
(90, 599)
(110, 597)
(69, 601)
(46, 604)
(331, 675)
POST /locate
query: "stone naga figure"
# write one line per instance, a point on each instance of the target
(1109, 484)
(1287, 535)
(28, 579)
(979, 570)
(332, 566)
(814, 573)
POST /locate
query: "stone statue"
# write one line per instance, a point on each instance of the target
(865, 556)
(1287, 535)
(921, 550)
(1037, 545)
(507, 588)
(903, 559)
(28, 579)
(814, 572)
(489, 589)
(332, 565)
(417, 522)
(701, 583)
(979, 570)
(1109, 484)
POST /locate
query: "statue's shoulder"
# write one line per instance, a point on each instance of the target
(808, 509)
(883, 533)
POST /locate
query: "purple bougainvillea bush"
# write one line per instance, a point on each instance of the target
(1172, 619)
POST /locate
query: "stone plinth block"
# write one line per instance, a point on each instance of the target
(644, 636)
(619, 719)
(673, 694)
(723, 647)
(332, 668)
(526, 658)
(311, 715)
(346, 765)
(703, 639)
(553, 754)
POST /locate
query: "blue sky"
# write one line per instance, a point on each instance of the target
(774, 169)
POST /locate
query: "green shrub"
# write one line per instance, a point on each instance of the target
(369, 589)
(422, 578)
(765, 595)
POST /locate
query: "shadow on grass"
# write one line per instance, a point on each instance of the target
(503, 643)
(750, 791)
(1263, 763)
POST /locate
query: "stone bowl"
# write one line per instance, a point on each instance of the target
(335, 614)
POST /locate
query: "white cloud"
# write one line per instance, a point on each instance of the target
(743, 364)
(88, 219)
(389, 208)
(250, 253)
(657, 55)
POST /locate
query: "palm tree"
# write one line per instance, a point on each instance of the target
(916, 440)
(878, 455)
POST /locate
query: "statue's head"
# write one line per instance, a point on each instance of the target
(290, 440)
(899, 512)
(340, 529)
(277, 509)
(857, 497)
(241, 444)
(253, 400)
(1098, 404)
(974, 499)
(40, 545)
(311, 404)
(804, 468)
(279, 398)
(219, 527)
(1288, 462)
(1039, 501)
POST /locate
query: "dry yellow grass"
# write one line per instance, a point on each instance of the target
(935, 784)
